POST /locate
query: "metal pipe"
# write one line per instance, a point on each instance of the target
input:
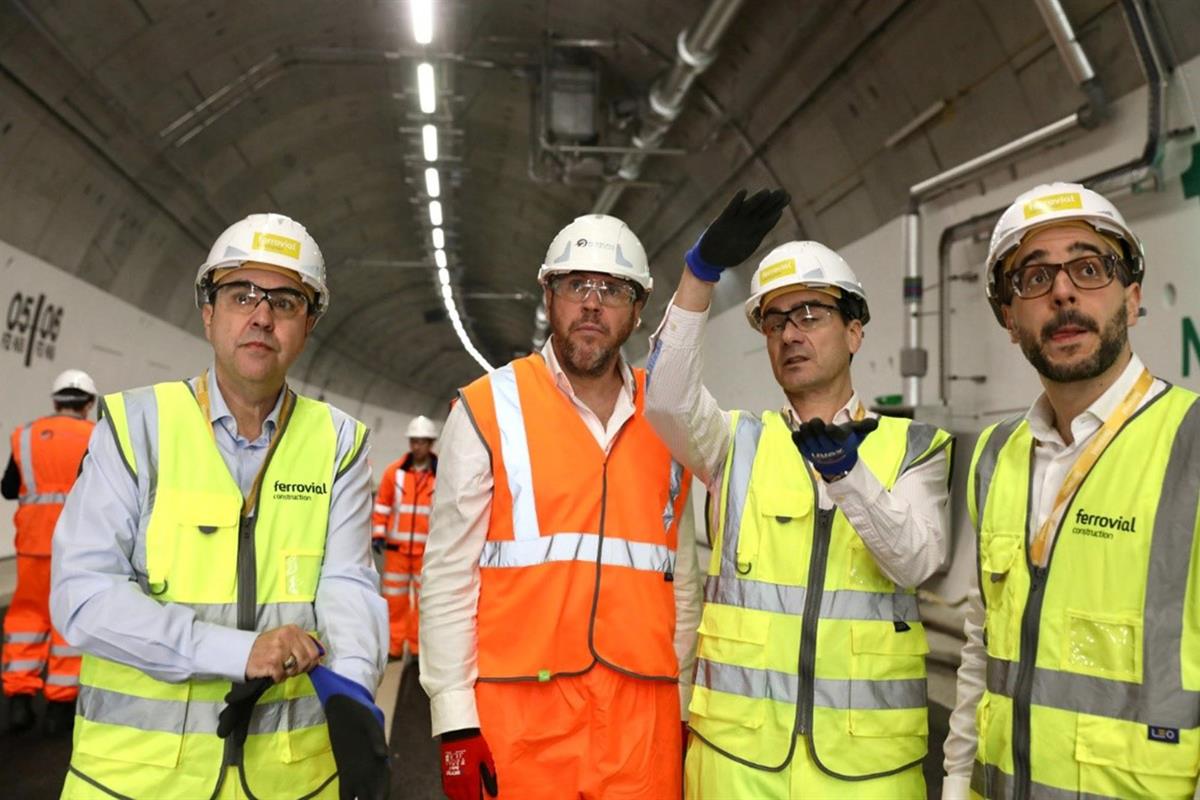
(1068, 45)
(911, 357)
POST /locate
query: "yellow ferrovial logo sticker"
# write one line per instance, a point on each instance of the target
(776, 271)
(1052, 202)
(274, 243)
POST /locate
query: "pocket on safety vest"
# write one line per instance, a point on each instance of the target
(191, 555)
(887, 687)
(863, 573)
(142, 731)
(782, 516)
(300, 570)
(1119, 758)
(997, 559)
(1104, 645)
(733, 635)
(745, 712)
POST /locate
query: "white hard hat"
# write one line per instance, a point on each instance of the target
(268, 239)
(598, 243)
(422, 428)
(803, 264)
(1055, 202)
(73, 379)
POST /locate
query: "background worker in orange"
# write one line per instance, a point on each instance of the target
(44, 463)
(400, 526)
(560, 593)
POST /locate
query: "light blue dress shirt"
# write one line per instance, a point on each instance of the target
(98, 568)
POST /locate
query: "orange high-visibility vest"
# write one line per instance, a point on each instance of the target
(578, 567)
(47, 452)
(403, 504)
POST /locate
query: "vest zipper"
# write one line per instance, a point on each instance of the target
(1022, 729)
(817, 563)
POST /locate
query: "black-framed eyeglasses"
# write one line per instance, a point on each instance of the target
(1088, 272)
(806, 317)
(613, 293)
(242, 297)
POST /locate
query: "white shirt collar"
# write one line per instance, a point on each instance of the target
(844, 414)
(219, 411)
(564, 383)
(1041, 415)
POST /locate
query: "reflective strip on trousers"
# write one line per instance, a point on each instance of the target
(515, 449)
(380, 508)
(409, 508)
(24, 665)
(48, 499)
(54, 679)
(401, 536)
(26, 638)
(578, 547)
(25, 457)
(399, 577)
(62, 651)
(783, 687)
(180, 717)
(990, 781)
(835, 604)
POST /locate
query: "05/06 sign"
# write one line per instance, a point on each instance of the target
(31, 327)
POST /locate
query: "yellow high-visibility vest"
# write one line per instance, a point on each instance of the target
(802, 636)
(136, 736)
(1093, 662)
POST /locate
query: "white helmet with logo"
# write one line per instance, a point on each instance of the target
(73, 380)
(806, 264)
(598, 243)
(268, 239)
(1049, 203)
(422, 428)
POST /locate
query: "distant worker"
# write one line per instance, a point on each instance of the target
(560, 594)
(1081, 673)
(41, 471)
(400, 528)
(216, 546)
(810, 680)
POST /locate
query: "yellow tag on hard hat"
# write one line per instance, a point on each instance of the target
(1053, 202)
(776, 271)
(274, 243)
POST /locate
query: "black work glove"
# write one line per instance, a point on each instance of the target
(832, 449)
(378, 544)
(736, 233)
(359, 749)
(240, 700)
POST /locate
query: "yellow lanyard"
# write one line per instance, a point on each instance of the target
(285, 413)
(1087, 459)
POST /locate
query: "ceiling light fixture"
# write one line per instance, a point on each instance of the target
(435, 212)
(422, 21)
(425, 91)
(433, 184)
(439, 258)
(439, 238)
(429, 140)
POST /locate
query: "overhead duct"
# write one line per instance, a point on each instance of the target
(695, 50)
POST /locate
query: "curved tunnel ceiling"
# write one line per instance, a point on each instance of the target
(133, 131)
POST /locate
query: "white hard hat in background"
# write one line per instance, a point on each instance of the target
(1049, 203)
(803, 264)
(598, 243)
(73, 379)
(268, 239)
(422, 428)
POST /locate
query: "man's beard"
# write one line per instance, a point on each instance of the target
(1112, 343)
(592, 361)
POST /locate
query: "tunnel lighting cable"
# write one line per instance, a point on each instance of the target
(425, 89)
(435, 212)
(433, 184)
(422, 21)
(439, 239)
(429, 141)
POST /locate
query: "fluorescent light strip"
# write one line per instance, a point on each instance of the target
(422, 21)
(439, 239)
(433, 184)
(439, 258)
(425, 90)
(435, 212)
(429, 142)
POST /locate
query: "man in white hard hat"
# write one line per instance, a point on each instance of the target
(41, 470)
(559, 595)
(810, 676)
(400, 527)
(215, 549)
(1082, 676)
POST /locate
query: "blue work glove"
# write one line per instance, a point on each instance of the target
(832, 449)
(736, 234)
(356, 734)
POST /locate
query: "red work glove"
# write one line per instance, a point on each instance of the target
(467, 763)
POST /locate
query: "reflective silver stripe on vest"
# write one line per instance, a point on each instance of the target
(783, 687)
(676, 486)
(515, 450)
(25, 457)
(380, 508)
(991, 781)
(180, 717)
(985, 465)
(744, 446)
(24, 665)
(26, 638)
(835, 604)
(141, 414)
(578, 547)
(269, 615)
(918, 439)
(401, 536)
(54, 679)
(397, 576)
(49, 499)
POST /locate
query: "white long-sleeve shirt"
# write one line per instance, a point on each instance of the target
(458, 530)
(98, 605)
(1052, 459)
(905, 529)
